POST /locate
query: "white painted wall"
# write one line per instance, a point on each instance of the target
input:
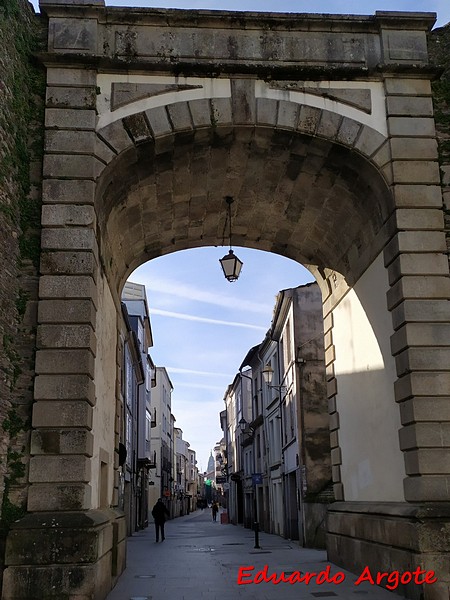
(372, 464)
(105, 389)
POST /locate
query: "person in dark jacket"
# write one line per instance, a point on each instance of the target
(159, 513)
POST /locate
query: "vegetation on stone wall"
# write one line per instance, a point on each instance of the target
(22, 93)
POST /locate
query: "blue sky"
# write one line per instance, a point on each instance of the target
(202, 325)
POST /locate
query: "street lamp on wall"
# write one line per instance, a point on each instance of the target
(230, 263)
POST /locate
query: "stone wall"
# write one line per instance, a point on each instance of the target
(22, 89)
(439, 49)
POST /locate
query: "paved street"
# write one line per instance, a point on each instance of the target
(201, 559)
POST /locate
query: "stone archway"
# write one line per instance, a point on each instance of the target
(322, 130)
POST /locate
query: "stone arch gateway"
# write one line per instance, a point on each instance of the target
(322, 129)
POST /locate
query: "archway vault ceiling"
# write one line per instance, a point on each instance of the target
(302, 197)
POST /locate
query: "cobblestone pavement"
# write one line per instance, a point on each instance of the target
(200, 559)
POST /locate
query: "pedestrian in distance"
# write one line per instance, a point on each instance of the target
(159, 513)
(215, 510)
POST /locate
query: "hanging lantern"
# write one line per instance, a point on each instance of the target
(230, 263)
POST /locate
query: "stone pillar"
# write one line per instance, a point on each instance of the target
(393, 535)
(72, 543)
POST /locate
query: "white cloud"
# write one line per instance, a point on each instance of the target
(188, 292)
(186, 317)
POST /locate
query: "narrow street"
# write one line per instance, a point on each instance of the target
(201, 559)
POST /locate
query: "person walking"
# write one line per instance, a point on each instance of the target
(215, 510)
(159, 512)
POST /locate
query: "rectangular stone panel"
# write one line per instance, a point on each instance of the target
(420, 334)
(415, 196)
(64, 387)
(411, 126)
(60, 76)
(266, 111)
(66, 336)
(73, 238)
(414, 241)
(44, 497)
(425, 435)
(421, 311)
(420, 383)
(348, 131)
(427, 461)
(200, 112)
(180, 116)
(427, 488)
(244, 102)
(62, 441)
(67, 141)
(288, 113)
(65, 362)
(66, 311)
(409, 106)
(71, 97)
(67, 286)
(419, 219)
(417, 264)
(433, 287)
(46, 469)
(407, 87)
(56, 191)
(71, 166)
(415, 171)
(69, 263)
(54, 215)
(423, 359)
(70, 118)
(421, 149)
(425, 408)
(62, 413)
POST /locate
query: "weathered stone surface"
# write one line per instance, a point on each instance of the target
(425, 435)
(66, 311)
(414, 171)
(431, 488)
(63, 215)
(412, 127)
(58, 413)
(420, 334)
(62, 441)
(421, 311)
(116, 136)
(369, 141)
(67, 97)
(422, 384)
(56, 191)
(66, 141)
(64, 387)
(425, 408)
(64, 286)
(73, 238)
(417, 264)
(414, 241)
(288, 114)
(407, 87)
(409, 106)
(66, 336)
(60, 468)
(423, 359)
(44, 497)
(69, 118)
(422, 148)
(348, 131)
(427, 461)
(71, 77)
(200, 112)
(69, 263)
(64, 362)
(418, 287)
(418, 195)
(243, 101)
(180, 116)
(68, 166)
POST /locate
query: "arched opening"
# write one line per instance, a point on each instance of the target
(308, 199)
